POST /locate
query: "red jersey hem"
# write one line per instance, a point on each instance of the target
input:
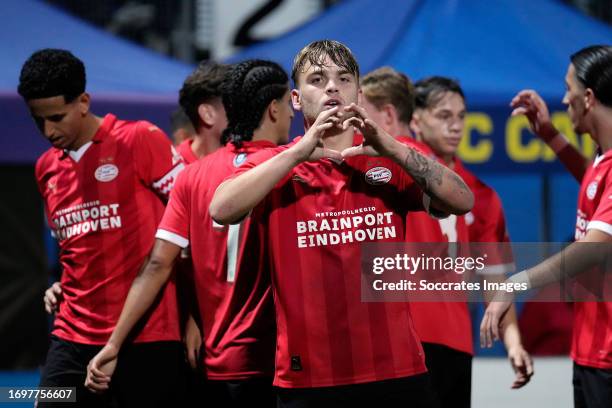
(239, 376)
(140, 339)
(349, 381)
(469, 351)
(590, 363)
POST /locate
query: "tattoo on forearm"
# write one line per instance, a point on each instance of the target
(429, 174)
(425, 172)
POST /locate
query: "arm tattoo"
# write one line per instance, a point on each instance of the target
(425, 172)
(429, 174)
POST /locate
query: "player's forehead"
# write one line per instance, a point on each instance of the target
(570, 76)
(447, 101)
(325, 64)
(48, 106)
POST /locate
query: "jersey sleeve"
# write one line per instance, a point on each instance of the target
(490, 230)
(602, 218)
(174, 226)
(157, 161)
(42, 180)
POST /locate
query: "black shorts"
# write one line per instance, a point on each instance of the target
(252, 392)
(592, 387)
(147, 374)
(451, 375)
(411, 392)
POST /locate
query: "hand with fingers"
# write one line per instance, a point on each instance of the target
(193, 342)
(491, 321)
(376, 142)
(522, 365)
(101, 368)
(53, 297)
(310, 147)
(530, 104)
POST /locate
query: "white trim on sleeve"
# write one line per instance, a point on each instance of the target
(600, 226)
(172, 238)
(165, 184)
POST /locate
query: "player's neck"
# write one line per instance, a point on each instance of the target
(204, 144)
(338, 139)
(449, 160)
(401, 129)
(91, 124)
(602, 129)
(267, 131)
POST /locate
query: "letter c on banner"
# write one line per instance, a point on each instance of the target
(517, 151)
(481, 151)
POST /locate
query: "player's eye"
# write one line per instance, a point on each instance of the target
(56, 118)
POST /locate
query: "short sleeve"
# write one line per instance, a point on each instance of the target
(602, 218)
(157, 161)
(174, 226)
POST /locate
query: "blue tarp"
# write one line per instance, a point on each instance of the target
(493, 49)
(113, 65)
(133, 82)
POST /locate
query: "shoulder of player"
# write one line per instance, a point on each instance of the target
(130, 131)
(415, 144)
(45, 162)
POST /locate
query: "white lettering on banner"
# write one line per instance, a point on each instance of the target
(350, 228)
(86, 218)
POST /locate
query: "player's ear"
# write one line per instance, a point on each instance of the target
(589, 99)
(207, 114)
(296, 99)
(273, 110)
(84, 102)
(390, 113)
(415, 123)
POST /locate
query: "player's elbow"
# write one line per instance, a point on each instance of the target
(458, 204)
(464, 202)
(221, 212)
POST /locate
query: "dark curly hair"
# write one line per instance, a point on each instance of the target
(202, 86)
(248, 90)
(52, 72)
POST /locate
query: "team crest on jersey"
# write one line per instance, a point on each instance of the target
(106, 173)
(591, 190)
(239, 159)
(378, 175)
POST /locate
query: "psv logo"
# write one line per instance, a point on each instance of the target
(378, 175)
(106, 173)
(591, 190)
(239, 159)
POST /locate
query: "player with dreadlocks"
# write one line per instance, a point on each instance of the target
(232, 282)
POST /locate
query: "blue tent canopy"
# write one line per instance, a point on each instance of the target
(492, 49)
(113, 65)
(123, 78)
